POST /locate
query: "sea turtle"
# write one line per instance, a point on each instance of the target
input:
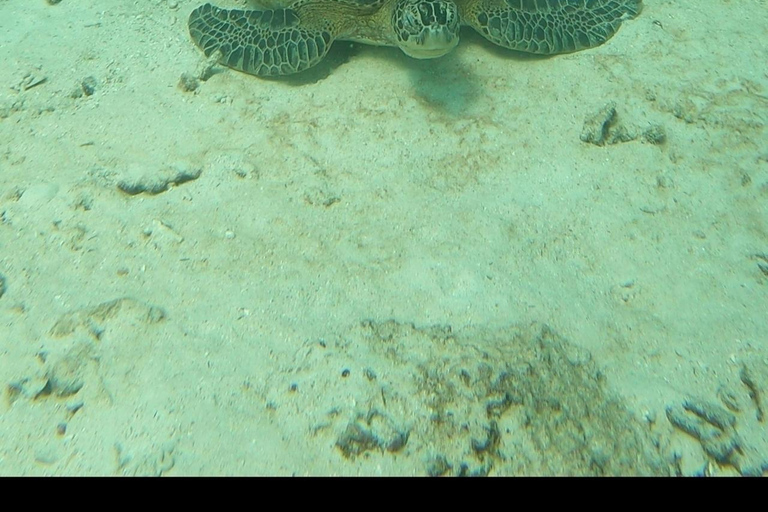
(287, 40)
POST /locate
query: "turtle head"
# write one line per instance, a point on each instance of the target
(426, 29)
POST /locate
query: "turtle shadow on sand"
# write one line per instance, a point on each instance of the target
(447, 83)
(444, 84)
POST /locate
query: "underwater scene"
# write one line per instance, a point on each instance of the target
(384, 237)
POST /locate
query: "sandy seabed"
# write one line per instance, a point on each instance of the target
(344, 273)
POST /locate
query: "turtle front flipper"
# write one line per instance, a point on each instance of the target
(262, 43)
(549, 26)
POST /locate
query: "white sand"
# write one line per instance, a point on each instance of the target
(453, 192)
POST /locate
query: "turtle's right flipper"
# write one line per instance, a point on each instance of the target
(549, 26)
(262, 43)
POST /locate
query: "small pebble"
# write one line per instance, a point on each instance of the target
(188, 83)
(655, 135)
(89, 85)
